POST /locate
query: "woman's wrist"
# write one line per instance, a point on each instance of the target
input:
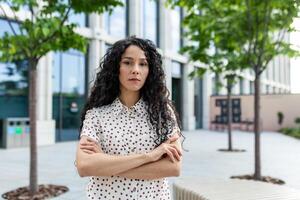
(147, 156)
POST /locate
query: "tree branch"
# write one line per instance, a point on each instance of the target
(55, 32)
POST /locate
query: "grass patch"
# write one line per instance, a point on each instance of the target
(294, 132)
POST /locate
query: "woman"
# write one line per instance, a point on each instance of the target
(129, 135)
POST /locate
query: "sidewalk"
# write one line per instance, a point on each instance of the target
(280, 159)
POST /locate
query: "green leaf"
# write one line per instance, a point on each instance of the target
(45, 31)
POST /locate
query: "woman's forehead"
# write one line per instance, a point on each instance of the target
(134, 52)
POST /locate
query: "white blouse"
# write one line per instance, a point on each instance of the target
(123, 131)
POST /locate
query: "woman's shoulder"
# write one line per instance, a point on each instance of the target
(96, 110)
(102, 110)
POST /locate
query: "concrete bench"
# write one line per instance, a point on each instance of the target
(231, 189)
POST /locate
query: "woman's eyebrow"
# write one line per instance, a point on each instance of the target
(130, 58)
(127, 58)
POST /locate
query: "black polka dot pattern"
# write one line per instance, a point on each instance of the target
(123, 131)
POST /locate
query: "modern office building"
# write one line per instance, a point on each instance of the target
(64, 78)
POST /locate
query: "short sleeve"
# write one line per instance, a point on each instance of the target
(91, 125)
(173, 125)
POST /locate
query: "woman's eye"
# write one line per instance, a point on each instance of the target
(126, 62)
(143, 64)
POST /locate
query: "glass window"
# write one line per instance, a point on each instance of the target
(241, 82)
(14, 78)
(215, 88)
(69, 73)
(13, 81)
(13, 75)
(5, 27)
(150, 20)
(176, 69)
(175, 31)
(79, 19)
(273, 69)
(251, 87)
(116, 23)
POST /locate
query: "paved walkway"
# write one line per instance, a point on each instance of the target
(280, 158)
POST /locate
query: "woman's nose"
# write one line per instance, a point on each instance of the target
(136, 68)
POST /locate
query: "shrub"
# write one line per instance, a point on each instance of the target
(280, 117)
(294, 132)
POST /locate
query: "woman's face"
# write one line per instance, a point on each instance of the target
(134, 69)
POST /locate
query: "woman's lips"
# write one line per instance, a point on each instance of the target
(134, 79)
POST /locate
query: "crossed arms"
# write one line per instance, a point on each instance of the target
(163, 161)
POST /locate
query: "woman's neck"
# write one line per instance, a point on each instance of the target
(129, 98)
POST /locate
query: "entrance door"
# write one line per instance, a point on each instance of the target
(176, 95)
(68, 93)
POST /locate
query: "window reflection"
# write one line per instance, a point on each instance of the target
(5, 27)
(79, 19)
(13, 75)
(69, 73)
(175, 29)
(14, 78)
(176, 69)
(116, 23)
(150, 20)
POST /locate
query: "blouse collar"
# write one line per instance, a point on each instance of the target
(139, 107)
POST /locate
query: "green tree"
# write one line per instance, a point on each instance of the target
(213, 44)
(46, 29)
(257, 32)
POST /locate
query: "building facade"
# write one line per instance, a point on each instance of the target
(64, 78)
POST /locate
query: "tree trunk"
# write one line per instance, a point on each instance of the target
(257, 174)
(229, 116)
(32, 115)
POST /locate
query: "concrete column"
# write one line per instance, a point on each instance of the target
(288, 74)
(263, 89)
(164, 27)
(163, 44)
(246, 86)
(236, 88)
(135, 17)
(167, 66)
(207, 90)
(188, 119)
(45, 123)
(223, 89)
(94, 55)
(93, 60)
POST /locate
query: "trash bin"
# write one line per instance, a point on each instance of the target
(14, 132)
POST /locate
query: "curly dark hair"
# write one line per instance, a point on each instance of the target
(154, 92)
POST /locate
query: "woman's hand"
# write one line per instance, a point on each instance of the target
(89, 146)
(167, 148)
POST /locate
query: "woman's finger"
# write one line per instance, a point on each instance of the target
(170, 154)
(173, 138)
(88, 151)
(175, 153)
(91, 148)
(87, 144)
(177, 149)
(91, 140)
